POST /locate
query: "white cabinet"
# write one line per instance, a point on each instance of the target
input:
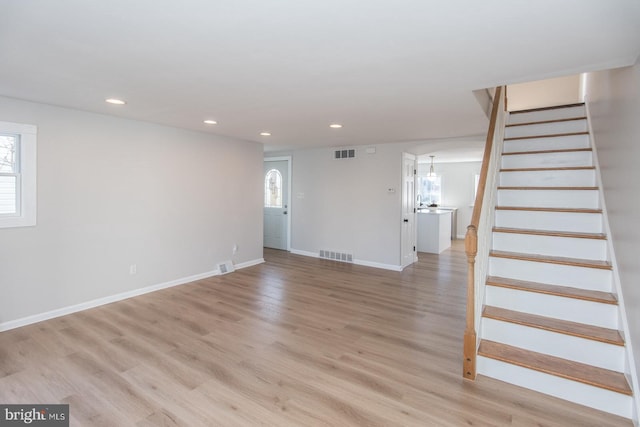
(434, 231)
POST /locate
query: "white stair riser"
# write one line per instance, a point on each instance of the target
(559, 221)
(538, 116)
(553, 128)
(573, 391)
(555, 143)
(582, 350)
(602, 355)
(571, 309)
(547, 160)
(575, 199)
(594, 279)
(552, 178)
(569, 247)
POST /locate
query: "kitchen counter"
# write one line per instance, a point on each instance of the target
(434, 230)
(454, 217)
(437, 211)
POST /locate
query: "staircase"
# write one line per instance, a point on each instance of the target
(550, 318)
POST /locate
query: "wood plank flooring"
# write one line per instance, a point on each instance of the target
(296, 341)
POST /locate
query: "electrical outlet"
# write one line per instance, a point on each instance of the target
(133, 269)
(235, 248)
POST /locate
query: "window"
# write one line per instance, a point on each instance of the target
(430, 190)
(273, 189)
(17, 175)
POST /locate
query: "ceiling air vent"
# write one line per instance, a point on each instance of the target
(345, 154)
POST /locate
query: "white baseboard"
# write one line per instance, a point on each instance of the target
(12, 324)
(304, 253)
(378, 265)
(249, 263)
(355, 261)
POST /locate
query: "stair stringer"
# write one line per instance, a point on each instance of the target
(630, 366)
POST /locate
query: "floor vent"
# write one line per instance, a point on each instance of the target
(336, 256)
(345, 154)
(226, 267)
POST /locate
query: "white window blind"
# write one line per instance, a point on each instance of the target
(9, 175)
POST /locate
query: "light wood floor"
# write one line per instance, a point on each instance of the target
(294, 342)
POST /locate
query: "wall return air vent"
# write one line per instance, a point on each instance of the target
(226, 267)
(336, 256)
(344, 154)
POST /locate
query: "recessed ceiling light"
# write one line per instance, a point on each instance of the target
(115, 101)
(210, 122)
(335, 125)
(265, 133)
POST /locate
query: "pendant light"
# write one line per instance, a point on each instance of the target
(432, 174)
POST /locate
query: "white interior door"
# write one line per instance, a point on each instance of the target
(276, 203)
(408, 232)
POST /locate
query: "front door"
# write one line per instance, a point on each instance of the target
(408, 232)
(276, 203)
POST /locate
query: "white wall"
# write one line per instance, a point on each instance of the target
(457, 188)
(344, 204)
(543, 93)
(114, 192)
(614, 101)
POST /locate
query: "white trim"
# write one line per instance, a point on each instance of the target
(12, 324)
(379, 265)
(304, 253)
(355, 261)
(288, 159)
(249, 263)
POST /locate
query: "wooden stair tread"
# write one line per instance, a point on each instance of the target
(567, 168)
(550, 135)
(536, 209)
(580, 372)
(573, 234)
(557, 290)
(547, 188)
(577, 262)
(541, 122)
(563, 150)
(581, 330)
(554, 107)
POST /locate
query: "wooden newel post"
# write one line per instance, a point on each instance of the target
(471, 248)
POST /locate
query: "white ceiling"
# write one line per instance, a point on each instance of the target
(388, 71)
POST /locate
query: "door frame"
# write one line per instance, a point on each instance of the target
(288, 159)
